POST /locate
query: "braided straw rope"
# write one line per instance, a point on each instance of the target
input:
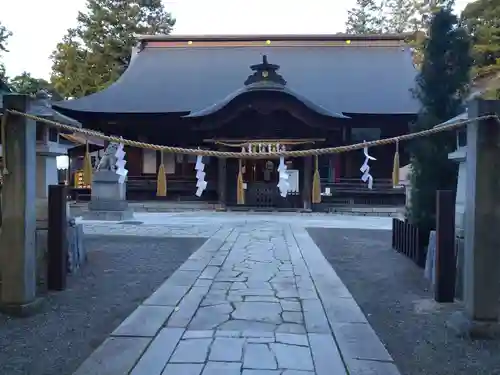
(263, 155)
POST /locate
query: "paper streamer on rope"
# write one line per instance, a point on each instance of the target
(201, 184)
(316, 185)
(87, 167)
(161, 179)
(283, 183)
(240, 193)
(120, 164)
(395, 167)
(365, 169)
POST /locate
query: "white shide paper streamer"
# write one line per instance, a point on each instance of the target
(201, 184)
(283, 183)
(120, 164)
(365, 169)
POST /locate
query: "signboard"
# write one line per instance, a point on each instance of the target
(293, 180)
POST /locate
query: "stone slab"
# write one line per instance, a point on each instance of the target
(260, 357)
(156, 356)
(167, 295)
(343, 310)
(183, 369)
(358, 340)
(191, 351)
(108, 205)
(326, 355)
(109, 215)
(292, 357)
(187, 307)
(227, 349)
(222, 368)
(363, 367)
(145, 321)
(116, 356)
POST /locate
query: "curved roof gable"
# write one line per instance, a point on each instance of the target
(265, 78)
(183, 74)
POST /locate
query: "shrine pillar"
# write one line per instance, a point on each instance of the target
(17, 239)
(482, 219)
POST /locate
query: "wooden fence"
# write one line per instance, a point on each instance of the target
(410, 241)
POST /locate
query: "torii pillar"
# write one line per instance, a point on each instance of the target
(18, 232)
(482, 221)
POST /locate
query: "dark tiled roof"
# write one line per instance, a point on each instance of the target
(41, 106)
(371, 79)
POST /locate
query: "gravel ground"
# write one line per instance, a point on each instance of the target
(395, 297)
(120, 274)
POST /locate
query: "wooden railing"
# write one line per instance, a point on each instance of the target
(380, 185)
(346, 191)
(175, 184)
(353, 191)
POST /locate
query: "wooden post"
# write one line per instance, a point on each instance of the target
(222, 180)
(444, 289)
(57, 241)
(482, 220)
(17, 240)
(307, 182)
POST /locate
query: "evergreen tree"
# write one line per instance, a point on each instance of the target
(441, 88)
(95, 53)
(482, 19)
(367, 17)
(5, 34)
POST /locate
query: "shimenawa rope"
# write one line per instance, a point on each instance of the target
(263, 155)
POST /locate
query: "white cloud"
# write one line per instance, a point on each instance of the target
(39, 25)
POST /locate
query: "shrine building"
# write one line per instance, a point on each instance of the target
(258, 92)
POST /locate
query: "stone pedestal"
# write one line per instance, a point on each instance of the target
(482, 220)
(108, 200)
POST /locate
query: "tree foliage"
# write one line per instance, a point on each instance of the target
(442, 86)
(97, 51)
(25, 83)
(482, 19)
(393, 16)
(365, 18)
(401, 16)
(5, 34)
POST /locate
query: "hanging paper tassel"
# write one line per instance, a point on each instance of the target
(161, 181)
(316, 188)
(87, 166)
(240, 193)
(395, 168)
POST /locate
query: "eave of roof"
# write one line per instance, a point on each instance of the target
(276, 37)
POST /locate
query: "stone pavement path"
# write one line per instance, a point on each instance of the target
(256, 299)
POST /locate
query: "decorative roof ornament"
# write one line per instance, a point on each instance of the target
(265, 72)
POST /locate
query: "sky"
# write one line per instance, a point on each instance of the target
(37, 31)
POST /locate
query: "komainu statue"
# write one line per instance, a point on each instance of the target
(108, 160)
